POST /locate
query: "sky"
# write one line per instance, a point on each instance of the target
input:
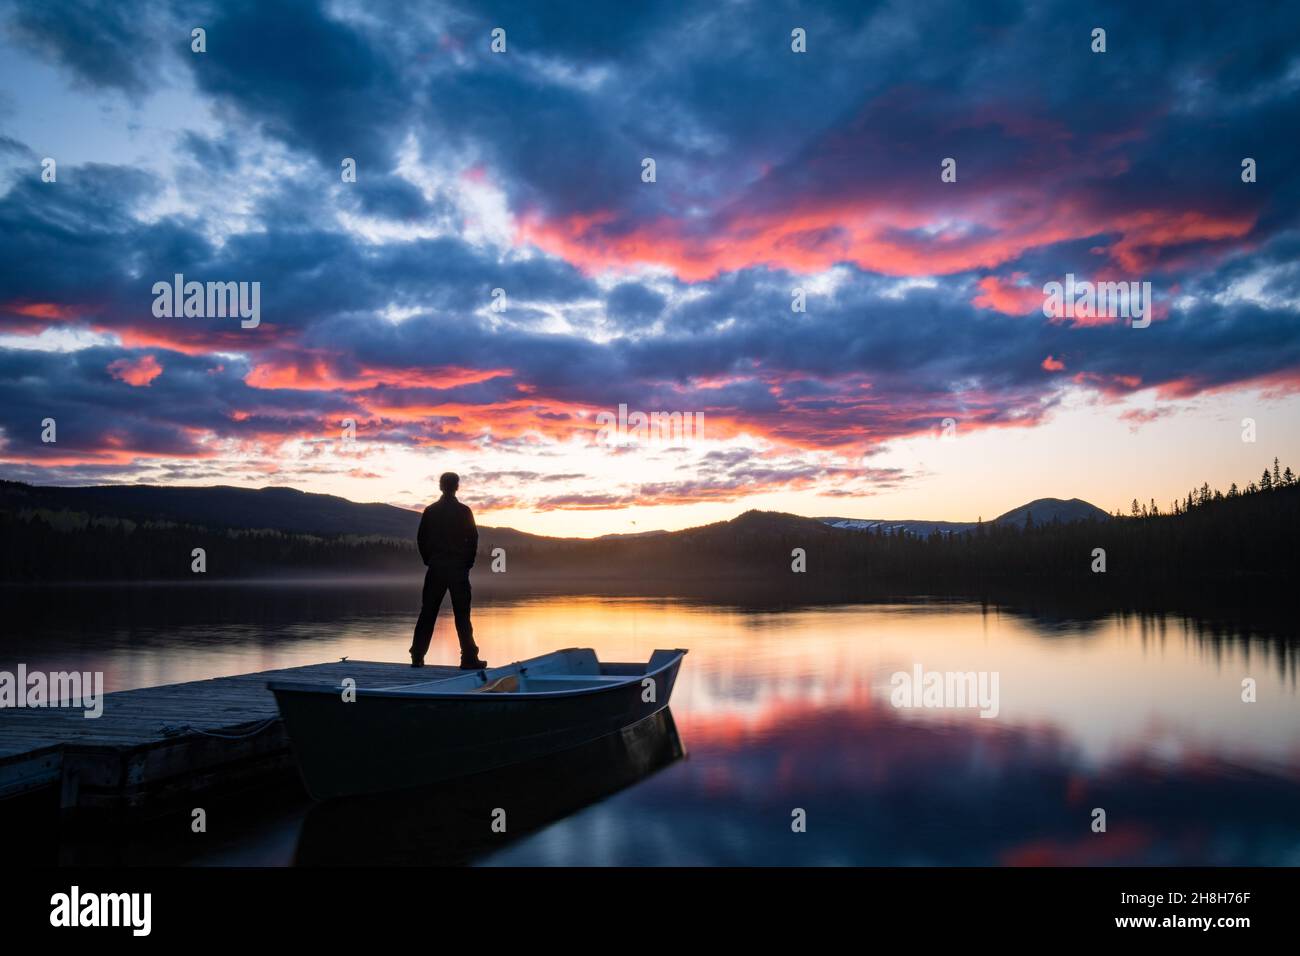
(504, 273)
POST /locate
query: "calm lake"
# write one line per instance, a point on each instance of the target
(784, 714)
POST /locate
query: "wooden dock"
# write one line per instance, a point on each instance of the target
(154, 748)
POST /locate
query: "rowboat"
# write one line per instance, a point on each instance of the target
(351, 740)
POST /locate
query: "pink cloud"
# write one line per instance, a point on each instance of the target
(139, 372)
(1016, 297)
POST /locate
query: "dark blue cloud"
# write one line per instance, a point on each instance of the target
(741, 128)
(634, 303)
(102, 43)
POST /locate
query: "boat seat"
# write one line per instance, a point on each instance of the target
(502, 685)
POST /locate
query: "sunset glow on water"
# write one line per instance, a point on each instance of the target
(782, 709)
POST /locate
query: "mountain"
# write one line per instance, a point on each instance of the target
(922, 529)
(299, 512)
(1043, 510)
(1047, 510)
(150, 534)
(222, 506)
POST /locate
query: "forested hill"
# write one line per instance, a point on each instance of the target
(219, 506)
(1211, 537)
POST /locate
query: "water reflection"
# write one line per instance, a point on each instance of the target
(454, 822)
(882, 789)
(785, 706)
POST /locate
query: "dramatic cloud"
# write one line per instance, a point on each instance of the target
(499, 273)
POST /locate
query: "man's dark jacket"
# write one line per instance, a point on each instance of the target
(448, 537)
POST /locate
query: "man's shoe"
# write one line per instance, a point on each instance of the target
(417, 661)
(472, 665)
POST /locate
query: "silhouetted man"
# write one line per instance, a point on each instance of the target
(448, 541)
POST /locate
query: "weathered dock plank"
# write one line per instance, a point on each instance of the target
(154, 745)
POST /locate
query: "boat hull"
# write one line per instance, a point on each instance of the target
(384, 741)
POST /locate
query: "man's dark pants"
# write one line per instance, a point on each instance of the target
(437, 582)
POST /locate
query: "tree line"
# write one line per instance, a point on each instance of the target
(1224, 538)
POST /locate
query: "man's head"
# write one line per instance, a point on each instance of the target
(449, 482)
